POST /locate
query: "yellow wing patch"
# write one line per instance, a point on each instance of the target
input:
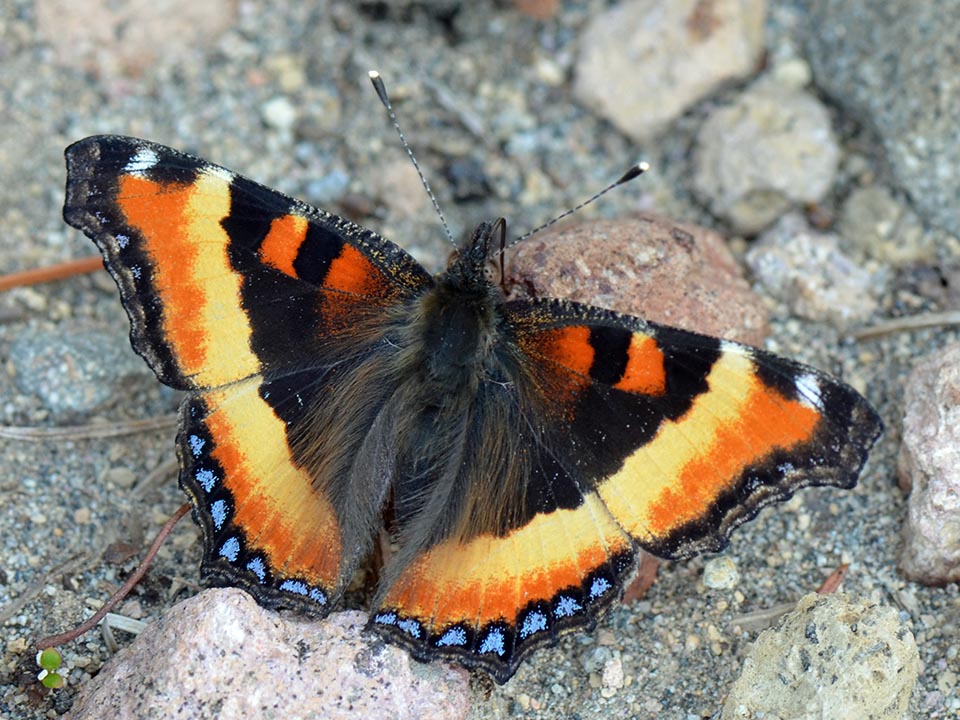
(199, 292)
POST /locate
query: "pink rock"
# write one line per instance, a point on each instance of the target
(221, 655)
(649, 266)
(929, 466)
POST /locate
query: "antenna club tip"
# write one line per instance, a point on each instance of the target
(373, 74)
(637, 170)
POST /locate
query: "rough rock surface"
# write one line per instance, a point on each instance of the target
(883, 226)
(643, 62)
(128, 36)
(76, 370)
(772, 149)
(929, 465)
(896, 68)
(667, 272)
(808, 270)
(181, 665)
(832, 657)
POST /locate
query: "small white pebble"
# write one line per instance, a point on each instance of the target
(720, 573)
(279, 113)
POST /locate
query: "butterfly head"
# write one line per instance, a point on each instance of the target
(471, 266)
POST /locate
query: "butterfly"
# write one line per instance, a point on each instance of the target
(521, 452)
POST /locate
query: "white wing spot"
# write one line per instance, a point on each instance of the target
(218, 172)
(808, 389)
(142, 161)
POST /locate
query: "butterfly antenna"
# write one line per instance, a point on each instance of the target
(385, 99)
(634, 172)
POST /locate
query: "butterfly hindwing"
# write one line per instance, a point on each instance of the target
(261, 516)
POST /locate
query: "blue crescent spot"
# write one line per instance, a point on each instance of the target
(294, 586)
(453, 636)
(534, 622)
(410, 627)
(493, 643)
(567, 606)
(388, 618)
(230, 549)
(218, 511)
(196, 444)
(257, 567)
(599, 586)
(318, 597)
(206, 478)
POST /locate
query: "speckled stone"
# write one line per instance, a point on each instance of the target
(671, 273)
(772, 149)
(220, 655)
(832, 657)
(929, 464)
(643, 62)
(885, 227)
(76, 370)
(808, 270)
(896, 68)
(720, 573)
(129, 36)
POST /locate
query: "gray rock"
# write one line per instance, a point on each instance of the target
(830, 658)
(643, 62)
(808, 270)
(220, 655)
(75, 370)
(881, 226)
(771, 150)
(929, 464)
(896, 68)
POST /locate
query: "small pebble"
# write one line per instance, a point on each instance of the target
(279, 113)
(720, 573)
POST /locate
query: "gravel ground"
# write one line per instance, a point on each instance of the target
(282, 96)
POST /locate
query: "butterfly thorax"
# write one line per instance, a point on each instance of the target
(458, 317)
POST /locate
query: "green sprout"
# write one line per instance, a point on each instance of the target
(49, 661)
